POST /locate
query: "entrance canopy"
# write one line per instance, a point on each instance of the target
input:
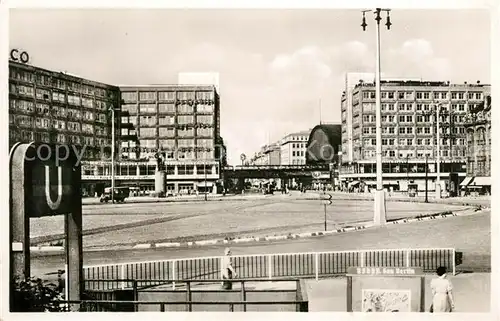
(481, 181)
(466, 181)
(205, 184)
(353, 183)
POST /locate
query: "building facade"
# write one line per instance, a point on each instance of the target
(177, 128)
(174, 127)
(57, 108)
(478, 128)
(409, 133)
(293, 148)
(268, 155)
(351, 80)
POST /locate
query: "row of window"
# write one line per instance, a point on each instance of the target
(298, 153)
(169, 132)
(409, 119)
(170, 143)
(297, 138)
(167, 95)
(27, 135)
(167, 120)
(411, 130)
(27, 121)
(167, 108)
(411, 141)
(58, 83)
(409, 107)
(60, 97)
(179, 155)
(423, 95)
(411, 154)
(419, 107)
(298, 145)
(57, 111)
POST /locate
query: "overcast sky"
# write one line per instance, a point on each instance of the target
(274, 65)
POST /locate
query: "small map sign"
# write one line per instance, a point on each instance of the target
(384, 271)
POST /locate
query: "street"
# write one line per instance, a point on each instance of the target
(132, 223)
(470, 234)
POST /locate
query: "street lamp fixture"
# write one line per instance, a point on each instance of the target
(379, 216)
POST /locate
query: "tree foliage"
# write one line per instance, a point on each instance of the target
(33, 295)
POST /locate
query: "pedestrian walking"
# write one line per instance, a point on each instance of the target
(227, 270)
(442, 292)
(61, 284)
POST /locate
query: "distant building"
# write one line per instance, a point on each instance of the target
(409, 133)
(478, 128)
(293, 148)
(268, 155)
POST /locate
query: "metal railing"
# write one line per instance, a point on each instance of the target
(270, 266)
(194, 292)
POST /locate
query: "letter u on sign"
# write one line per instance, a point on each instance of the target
(53, 205)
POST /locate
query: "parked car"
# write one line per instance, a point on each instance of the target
(119, 195)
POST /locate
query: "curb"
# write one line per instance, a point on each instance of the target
(246, 239)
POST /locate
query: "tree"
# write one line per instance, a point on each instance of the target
(32, 295)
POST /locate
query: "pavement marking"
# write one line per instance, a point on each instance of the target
(174, 244)
(142, 246)
(435, 216)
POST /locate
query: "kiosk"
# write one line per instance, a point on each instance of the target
(385, 289)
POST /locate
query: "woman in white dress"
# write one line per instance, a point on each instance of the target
(442, 296)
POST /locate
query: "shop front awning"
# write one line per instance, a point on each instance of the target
(481, 181)
(353, 183)
(384, 182)
(466, 181)
(205, 184)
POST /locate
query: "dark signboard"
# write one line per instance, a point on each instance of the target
(52, 180)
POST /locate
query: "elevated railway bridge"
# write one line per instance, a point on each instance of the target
(276, 171)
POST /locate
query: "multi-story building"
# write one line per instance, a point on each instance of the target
(351, 80)
(57, 108)
(268, 155)
(478, 128)
(178, 124)
(293, 148)
(409, 132)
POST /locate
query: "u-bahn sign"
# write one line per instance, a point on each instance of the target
(51, 179)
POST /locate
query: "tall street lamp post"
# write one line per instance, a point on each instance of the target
(112, 154)
(379, 215)
(408, 173)
(438, 152)
(205, 173)
(426, 175)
